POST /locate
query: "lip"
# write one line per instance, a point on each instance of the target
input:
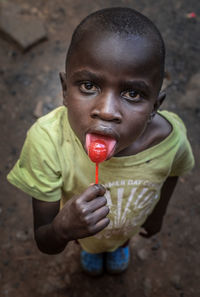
(104, 132)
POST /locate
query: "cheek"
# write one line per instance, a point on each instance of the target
(77, 115)
(136, 123)
(73, 106)
(74, 113)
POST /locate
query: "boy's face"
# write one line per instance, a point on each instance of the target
(111, 88)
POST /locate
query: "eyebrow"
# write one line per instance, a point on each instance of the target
(125, 84)
(89, 74)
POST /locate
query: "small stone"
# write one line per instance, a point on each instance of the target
(163, 255)
(142, 254)
(5, 262)
(13, 92)
(22, 235)
(67, 280)
(34, 10)
(191, 98)
(16, 285)
(47, 107)
(38, 112)
(147, 287)
(156, 246)
(176, 281)
(12, 54)
(14, 151)
(166, 81)
(197, 188)
(22, 79)
(45, 288)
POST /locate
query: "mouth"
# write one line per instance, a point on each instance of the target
(109, 140)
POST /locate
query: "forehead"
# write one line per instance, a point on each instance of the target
(121, 54)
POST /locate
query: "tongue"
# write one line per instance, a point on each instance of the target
(106, 141)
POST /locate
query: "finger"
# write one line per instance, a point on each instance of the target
(100, 225)
(97, 215)
(92, 192)
(144, 234)
(96, 203)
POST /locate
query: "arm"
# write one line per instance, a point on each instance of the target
(81, 216)
(153, 223)
(45, 235)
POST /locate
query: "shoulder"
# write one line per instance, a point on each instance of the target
(183, 160)
(166, 123)
(172, 133)
(173, 119)
(50, 125)
(55, 116)
(158, 130)
(178, 128)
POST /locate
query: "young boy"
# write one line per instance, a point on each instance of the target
(111, 91)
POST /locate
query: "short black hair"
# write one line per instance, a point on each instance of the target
(123, 21)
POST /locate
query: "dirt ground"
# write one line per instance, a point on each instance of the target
(166, 265)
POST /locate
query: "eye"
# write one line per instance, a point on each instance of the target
(132, 95)
(88, 87)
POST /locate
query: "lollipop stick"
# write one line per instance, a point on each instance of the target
(97, 173)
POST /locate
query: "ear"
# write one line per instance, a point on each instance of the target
(159, 101)
(63, 81)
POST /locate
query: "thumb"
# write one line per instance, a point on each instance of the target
(93, 191)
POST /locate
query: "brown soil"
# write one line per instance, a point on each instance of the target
(166, 265)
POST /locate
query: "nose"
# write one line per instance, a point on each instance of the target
(107, 108)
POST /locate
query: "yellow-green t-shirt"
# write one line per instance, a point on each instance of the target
(54, 166)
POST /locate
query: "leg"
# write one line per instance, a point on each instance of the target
(118, 261)
(92, 263)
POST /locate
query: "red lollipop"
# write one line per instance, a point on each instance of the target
(98, 153)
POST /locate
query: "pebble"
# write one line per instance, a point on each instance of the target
(197, 188)
(166, 81)
(5, 262)
(43, 108)
(192, 93)
(38, 112)
(163, 255)
(50, 285)
(142, 254)
(22, 235)
(45, 288)
(156, 246)
(22, 78)
(48, 106)
(13, 151)
(147, 287)
(176, 281)
(67, 280)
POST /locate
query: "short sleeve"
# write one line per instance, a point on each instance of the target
(37, 172)
(184, 159)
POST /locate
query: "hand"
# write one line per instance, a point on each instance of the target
(153, 223)
(151, 227)
(83, 215)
